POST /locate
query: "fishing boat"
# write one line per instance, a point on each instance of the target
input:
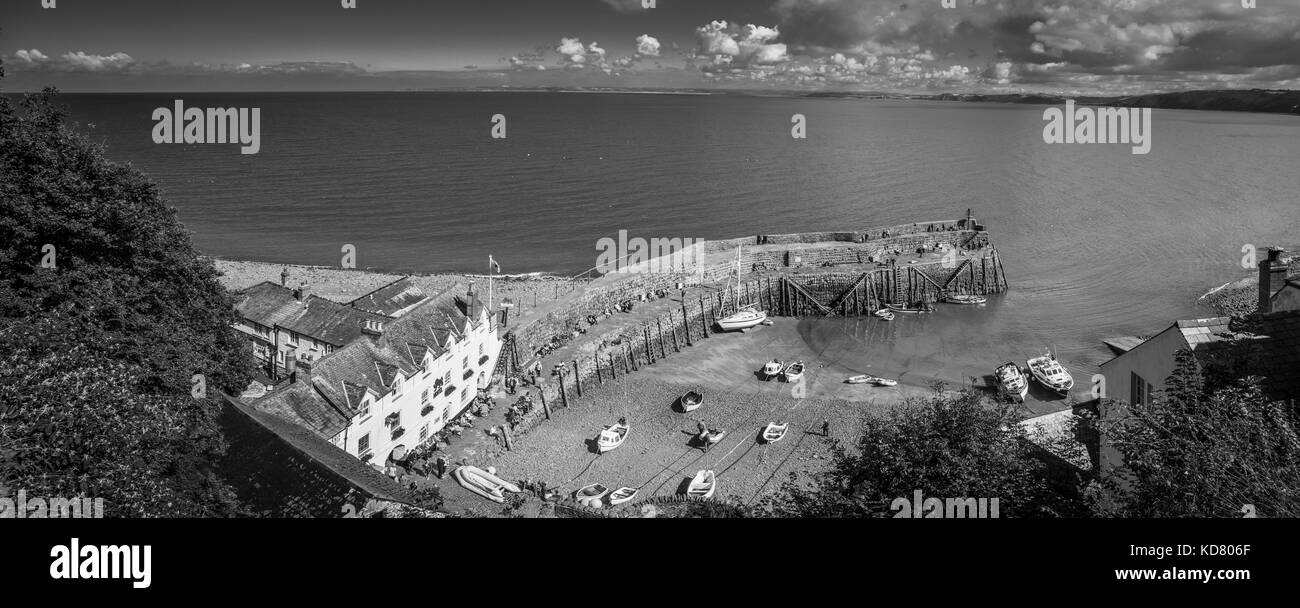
(691, 401)
(885, 314)
(1012, 380)
(745, 317)
(711, 436)
(773, 368)
(912, 309)
(590, 496)
(613, 436)
(484, 484)
(1049, 373)
(794, 372)
(622, 495)
(702, 485)
(775, 431)
(967, 300)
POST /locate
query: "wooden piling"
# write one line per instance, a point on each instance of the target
(577, 377)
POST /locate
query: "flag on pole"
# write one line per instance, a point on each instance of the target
(492, 264)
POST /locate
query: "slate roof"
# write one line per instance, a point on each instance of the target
(338, 381)
(280, 469)
(272, 305)
(1205, 331)
(391, 300)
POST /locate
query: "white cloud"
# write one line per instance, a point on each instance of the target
(97, 63)
(647, 46)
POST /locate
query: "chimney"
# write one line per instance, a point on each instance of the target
(373, 328)
(284, 277)
(304, 368)
(301, 292)
(471, 308)
(1272, 276)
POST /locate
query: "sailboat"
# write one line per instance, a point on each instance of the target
(745, 317)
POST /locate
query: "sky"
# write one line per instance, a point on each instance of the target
(916, 46)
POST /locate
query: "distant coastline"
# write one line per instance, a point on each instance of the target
(1271, 101)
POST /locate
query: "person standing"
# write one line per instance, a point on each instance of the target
(826, 428)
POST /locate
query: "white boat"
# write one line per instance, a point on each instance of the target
(1049, 373)
(911, 310)
(1012, 380)
(711, 436)
(965, 300)
(702, 485)
(772, 368)
(872, 380)
(774, 431)
(622, 495)
(794, 372)
(613, 436)
(745, 317)
(691, 401)
(484, 484)
(590, 496)
(885, 314)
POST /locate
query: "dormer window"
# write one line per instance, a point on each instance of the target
(363, 412)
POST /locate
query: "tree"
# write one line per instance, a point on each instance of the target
(107, 314)
(1204, 447)
(947, 446)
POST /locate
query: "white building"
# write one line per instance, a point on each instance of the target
(399, 383)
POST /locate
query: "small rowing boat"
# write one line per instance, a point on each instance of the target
(912, 309)
(711, 436)
(772, 369)
(590, 496)
(691, 401)
(774, 431)
(622, 495)
(966, 300)
(884, 314)
(794, 372)
(702, 485)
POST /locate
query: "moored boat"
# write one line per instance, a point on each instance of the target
(864, 379)
(911, 309)
(1051, 374)
(775, 431)
(745, 317)
(612, 436)
(794, 372)
(702, 485)
(968, 300)
(884, 314)
(772, 368)
(691, 401)
(590, 495)
(1012, 381)
(622, 495)
(484, 484)
(711, 436)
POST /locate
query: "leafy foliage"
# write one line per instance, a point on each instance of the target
(947, 447)
(1202, 451)
(99, 350)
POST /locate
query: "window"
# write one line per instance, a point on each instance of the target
(363, 443)
(446, 415)
(424, 432)
(293, 339)
(447, 378)
(464, 394)
(424, 397)
(364, 411)
(465, 365)
(397, 385)
(1139, 390)
(480, 348)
